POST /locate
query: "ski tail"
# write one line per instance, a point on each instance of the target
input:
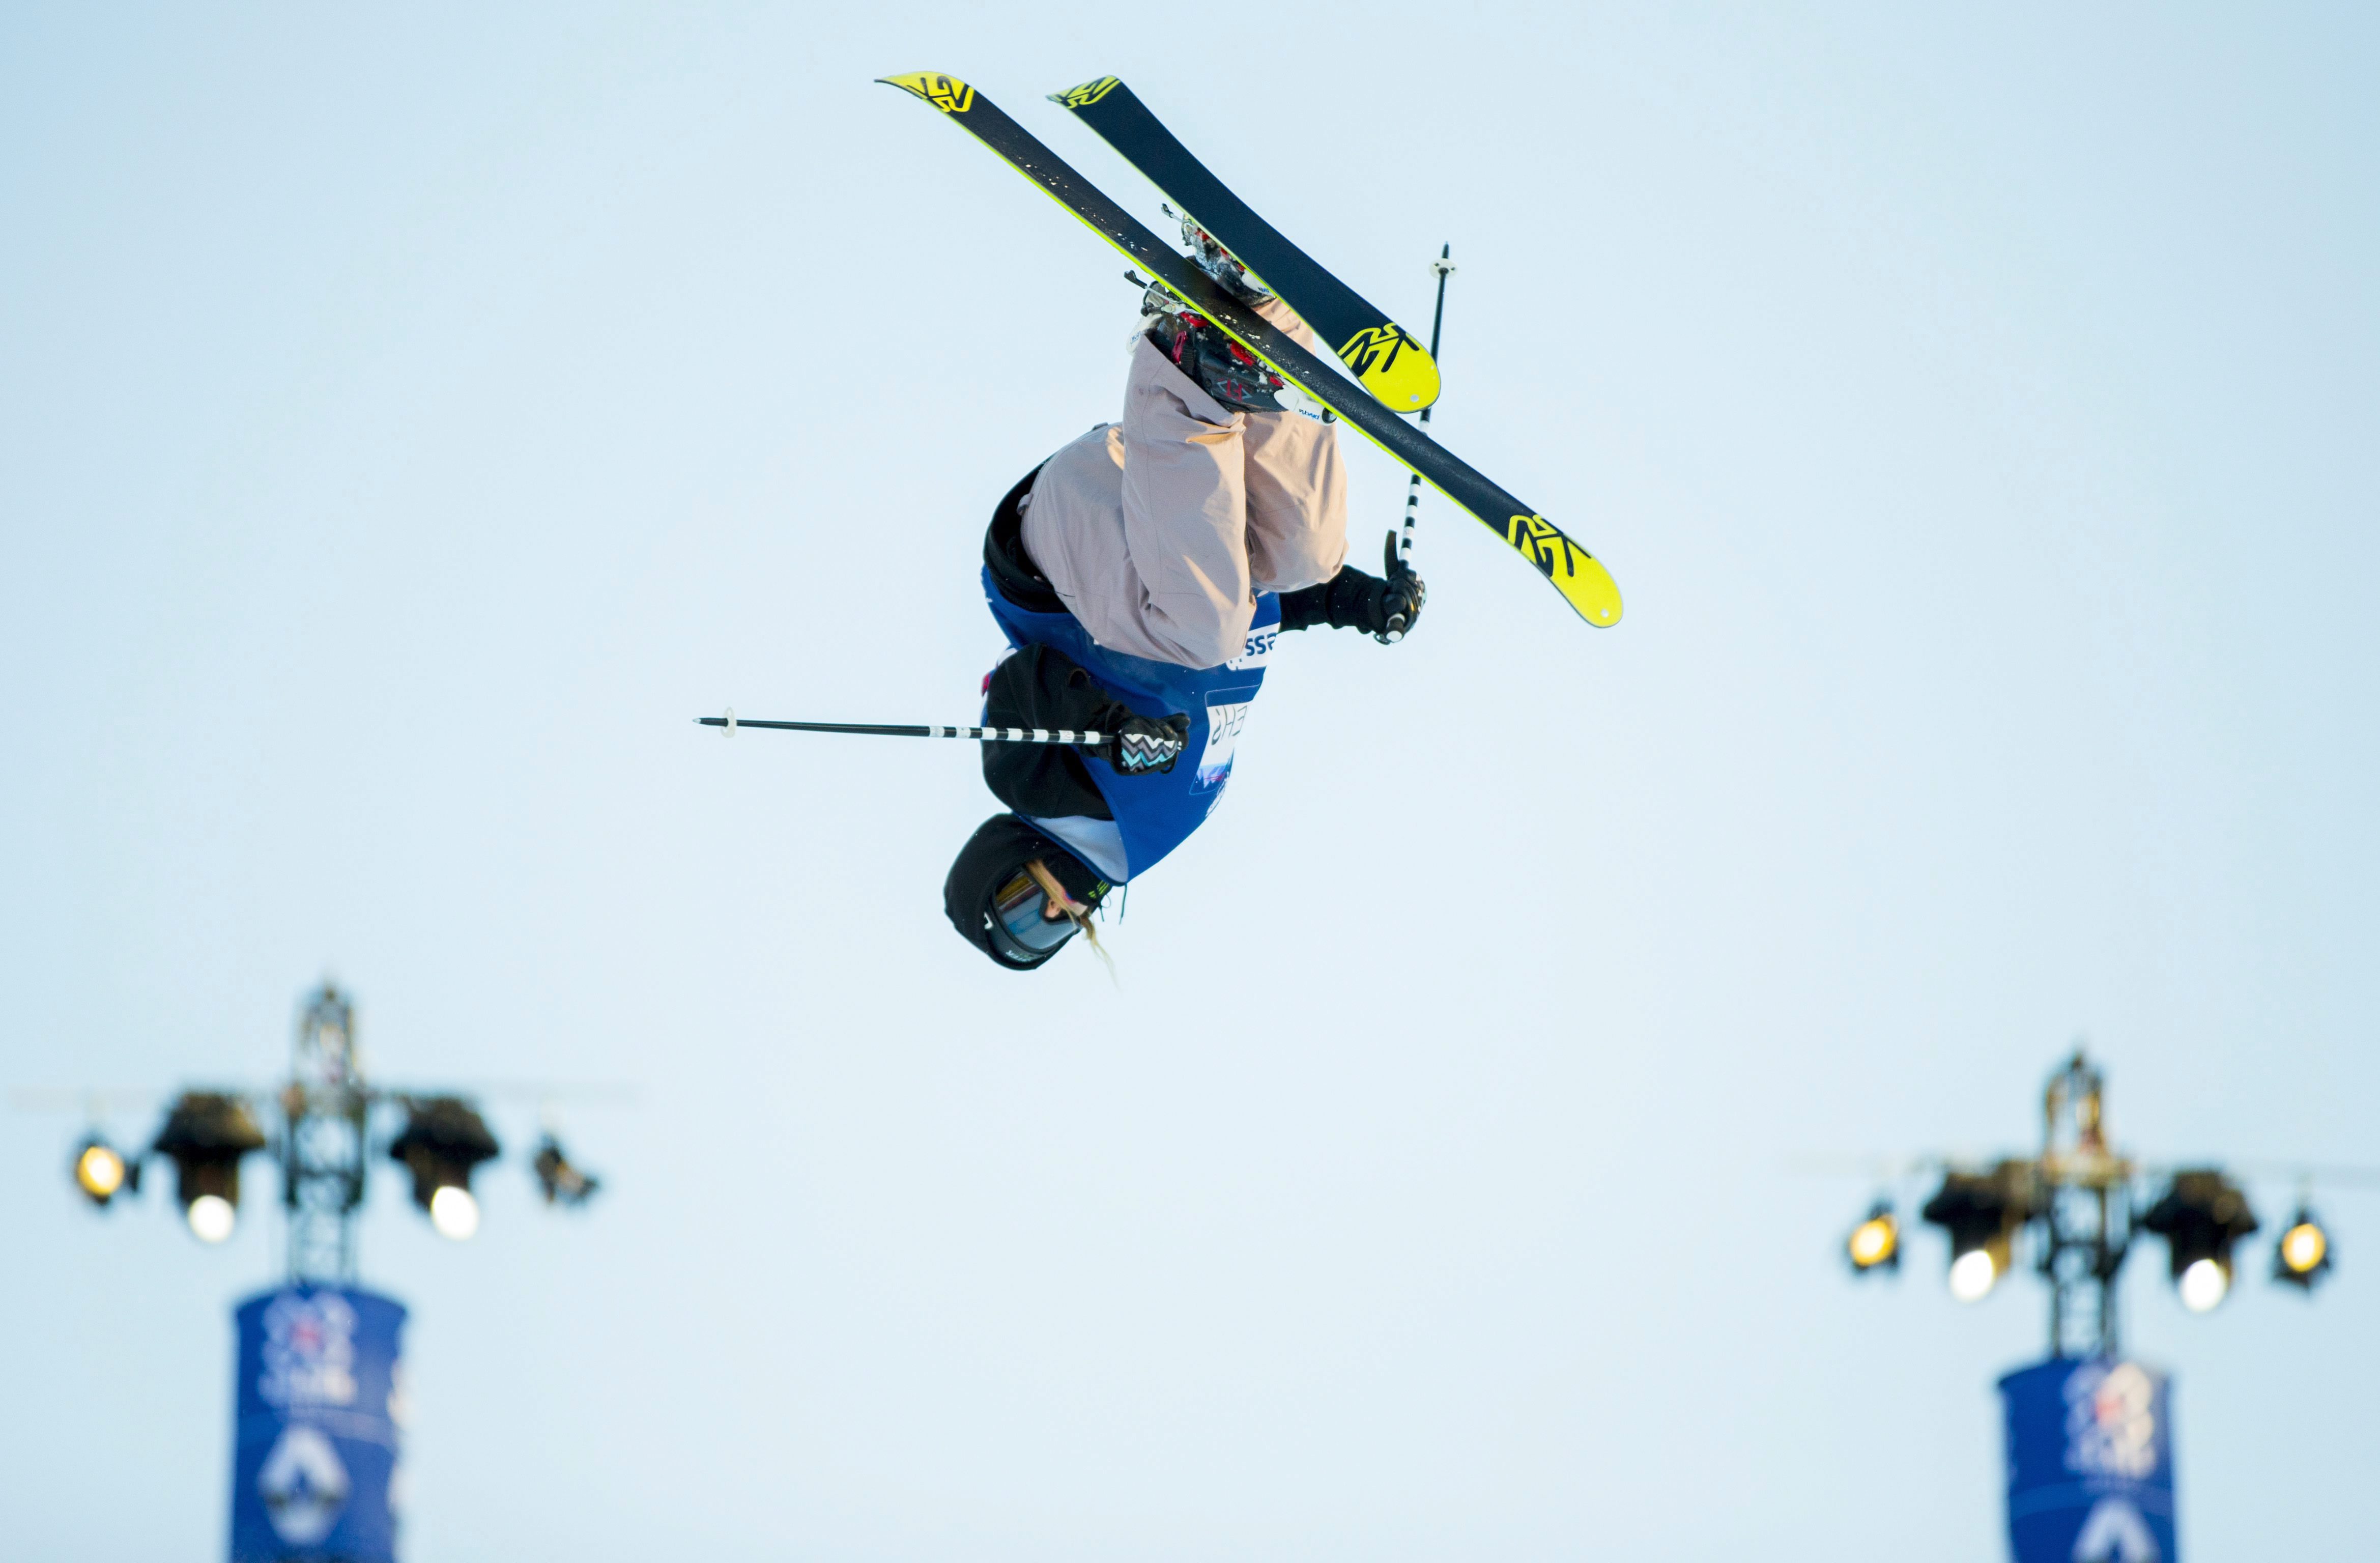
(1385, 358)
(945, 93)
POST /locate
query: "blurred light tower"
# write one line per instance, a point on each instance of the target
(324, 1144)
(316, 1431)
(2090, 1474)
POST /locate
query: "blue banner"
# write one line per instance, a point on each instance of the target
(2090, 1463)
(314, 1450)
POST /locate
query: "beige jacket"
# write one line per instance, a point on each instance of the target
(1159, 532)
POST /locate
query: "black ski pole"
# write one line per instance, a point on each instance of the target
(994, 735)
(1444, 267)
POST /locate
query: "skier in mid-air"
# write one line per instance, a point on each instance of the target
(1141, 575)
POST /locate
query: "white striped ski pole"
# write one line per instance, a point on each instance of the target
(991, 735)
(1444, 267)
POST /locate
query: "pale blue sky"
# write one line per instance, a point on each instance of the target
(405, 427)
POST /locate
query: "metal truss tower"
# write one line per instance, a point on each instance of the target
(2083, 1192)
(324, 1109)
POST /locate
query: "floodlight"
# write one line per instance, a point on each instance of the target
(1875, 1243)
(444, 1137)
(1981, 1218)
(2204, 1284)
(2201, 1215)
(206, 1134)
(101, 1171)
(211, 1217)
(454, 1212)
(2303, 1256)
(560, 1179)
(1974, 1274)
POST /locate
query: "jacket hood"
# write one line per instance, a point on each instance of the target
(1000, 847)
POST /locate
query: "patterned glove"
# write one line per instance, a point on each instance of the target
(1143, 745)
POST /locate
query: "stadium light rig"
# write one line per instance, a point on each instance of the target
(325, 1112)
(2303, 1255)
(1875, 1243)
(2202, 1216)
(317, 1418)
(560, 1179)
(101, 1171)
(1981, 1212)
(2073, 1207)
(207, 1135)
(444, 1140)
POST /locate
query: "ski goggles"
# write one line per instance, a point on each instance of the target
(1022, 928)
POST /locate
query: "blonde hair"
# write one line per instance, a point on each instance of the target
(1077, 912)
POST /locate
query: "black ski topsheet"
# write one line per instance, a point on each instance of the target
(1575, 573)
(1385, 358)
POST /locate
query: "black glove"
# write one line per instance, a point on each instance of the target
(1401, 595)
(1384, 609)
(1143, 745)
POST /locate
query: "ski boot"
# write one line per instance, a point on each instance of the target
(1199, 349)
(1208, 253)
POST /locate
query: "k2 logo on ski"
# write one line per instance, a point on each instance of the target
(945, 93)
(1540, 542)
(1088, 93)
(1365, 349)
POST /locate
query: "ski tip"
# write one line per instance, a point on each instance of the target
(1397, 370)
(945, 93)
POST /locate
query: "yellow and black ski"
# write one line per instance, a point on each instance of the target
(1385, 358)
(1585, 584)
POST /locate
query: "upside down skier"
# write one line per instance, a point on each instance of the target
(1141, 575)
